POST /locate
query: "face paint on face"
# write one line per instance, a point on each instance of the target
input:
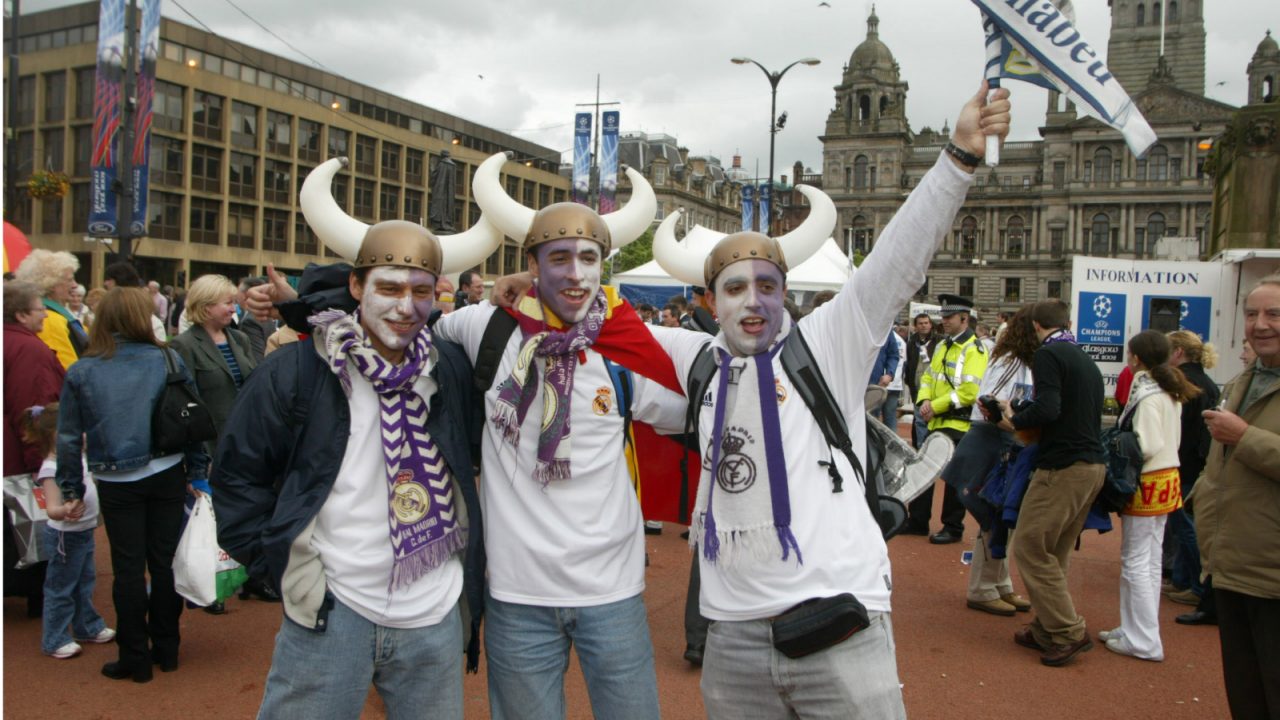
(394, 305)
(748, 299)
(568, 277)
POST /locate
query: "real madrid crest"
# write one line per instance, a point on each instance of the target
(410, 501)
(780, 390)
(737, 472)
(603, 403)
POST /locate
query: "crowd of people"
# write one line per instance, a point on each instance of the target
(402, 464)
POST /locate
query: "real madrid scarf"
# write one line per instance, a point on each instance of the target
(744, 512)
(424, 525)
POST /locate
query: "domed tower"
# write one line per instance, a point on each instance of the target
(871, 96)
(1264, 72)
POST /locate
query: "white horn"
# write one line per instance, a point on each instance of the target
(339, 231)
(678, 261)
(509, 216)
(800, 244)
(630, 221)
(466, 250)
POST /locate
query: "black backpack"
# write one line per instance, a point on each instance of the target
(802, 370)
(1123, 460)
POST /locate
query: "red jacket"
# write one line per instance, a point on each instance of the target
(32, 376)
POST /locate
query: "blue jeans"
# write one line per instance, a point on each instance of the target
(745, 678)
(919, 430)
(889, 410)
(1186, 563)
(528, 651)
(68, 589)
(417, 672)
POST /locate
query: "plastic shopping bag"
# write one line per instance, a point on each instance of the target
(202, 572)
(24, 501)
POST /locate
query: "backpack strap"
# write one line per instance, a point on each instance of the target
(624, 390)
(492, 344)
(802, 369)
(700, 375)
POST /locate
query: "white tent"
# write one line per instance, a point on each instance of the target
(826, 270)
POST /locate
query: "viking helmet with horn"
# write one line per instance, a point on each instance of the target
(693, 268)
(391, 242)
(565, 219)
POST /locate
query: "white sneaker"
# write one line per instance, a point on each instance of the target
(69, 650)
(1105, 635)
(105, 635)
(1118, 646)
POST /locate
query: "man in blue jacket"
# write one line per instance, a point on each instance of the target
(882, 372)
(345, 474)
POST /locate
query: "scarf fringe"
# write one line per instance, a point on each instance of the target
(546, 472)
(745, 546)
(407, 570)
(506, 420)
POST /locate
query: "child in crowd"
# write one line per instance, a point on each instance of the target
(68, 585)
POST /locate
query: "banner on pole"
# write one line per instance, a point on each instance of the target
(103, 200)
(608, 161)
(150, 49)
(581, 157)
(748, 207)
(766, 197)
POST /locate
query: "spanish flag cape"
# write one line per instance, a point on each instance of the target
(652, 459)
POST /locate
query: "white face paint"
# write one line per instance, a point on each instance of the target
(568, 277)
(748, 299)
(394, 305)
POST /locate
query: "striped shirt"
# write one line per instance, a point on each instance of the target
(232, 365)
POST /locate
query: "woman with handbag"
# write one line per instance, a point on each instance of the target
(1008, 377)
(106, 414)
(1155, 400)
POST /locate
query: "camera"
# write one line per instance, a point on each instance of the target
(990, 406)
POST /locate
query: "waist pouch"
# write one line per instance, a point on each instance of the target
(818, 624)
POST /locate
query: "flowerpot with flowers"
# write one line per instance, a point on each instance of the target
(47, 184)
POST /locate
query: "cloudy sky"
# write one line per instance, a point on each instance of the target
(522, 65)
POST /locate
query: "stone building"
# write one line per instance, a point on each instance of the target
(1077, 191)
(235, 131)
(697, 183)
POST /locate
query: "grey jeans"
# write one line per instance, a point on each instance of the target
(745, 678)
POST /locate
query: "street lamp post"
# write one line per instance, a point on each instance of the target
(774, 79)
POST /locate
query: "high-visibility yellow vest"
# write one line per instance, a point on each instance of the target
(951, 384)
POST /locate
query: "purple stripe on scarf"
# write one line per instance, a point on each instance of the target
(711, 541)
(779, 492)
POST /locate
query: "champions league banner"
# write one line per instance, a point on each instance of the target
(1037, 41)
(766, 195)
(106, 119)
(581, 157)
(748, 207)
(150, 42)
(608, 162)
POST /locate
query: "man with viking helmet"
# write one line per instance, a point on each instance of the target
(345, 474)
(775, 534)
(563, 525)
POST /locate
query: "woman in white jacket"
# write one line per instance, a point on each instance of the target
(1155, 404)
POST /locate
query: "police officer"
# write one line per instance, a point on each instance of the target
(945, 400)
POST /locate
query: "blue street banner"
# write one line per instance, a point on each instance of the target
(1037, 41)
(149, 39)
(1194, 313)
(1100, 325)
(581, 157)
(608, 161)
(748, 207)
(766, 195)
(103, 203)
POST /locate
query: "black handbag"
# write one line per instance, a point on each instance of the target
(179, 418)
(818, 624)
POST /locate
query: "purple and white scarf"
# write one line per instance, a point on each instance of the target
(744, 507)
(559, 349)
(1061, 335)
(425, 526)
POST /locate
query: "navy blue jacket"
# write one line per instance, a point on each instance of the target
(886, 361)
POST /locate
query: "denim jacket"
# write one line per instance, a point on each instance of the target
(107, 403)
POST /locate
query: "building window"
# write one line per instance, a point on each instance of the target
(860, 235)
(85, 79)
(276, 182)
(338, 142)
(1053, 289)
(362, 204)
(304, 238)
(338, 188)
(308, 140)
(968, 237)
(51, 215)
(55, 150)
(1057, 236)
(26, 112)
(1088, 171)
(1175, 168)
(206, 168)
(390, 161)
(1059, 175)
(206, 115)
(1102, 161)
(1155, 230)
(413, 166)
(544, 196)
(80, 208)
(164, 216)
(204, 220)
(413, 205)
(1142, 15)
(166, 107)
(1155, 13)
(1139, 242)
(168, 165)
(860, 172)
(389, 203)
(659, 175)
(1158, 163)
(275, 230)
(1172, 15)
(965, 286)
(279, 133)
(55, 97)
(864, 107)
(240, 226)
(366, 152)
(1016, 238)
(1100, 235)
(242, 176)
(1013, 290)
(848, 179)
(510, 253)
(244, 125)
(82, 149)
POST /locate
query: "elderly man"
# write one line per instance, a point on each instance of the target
(345, 475)
(1237, 511)
(778, 534)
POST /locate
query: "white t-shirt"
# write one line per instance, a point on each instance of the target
(1006, 378)
(896, 383)
(839, 539)
(577, 542)
(88, 521)
(352, 530)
